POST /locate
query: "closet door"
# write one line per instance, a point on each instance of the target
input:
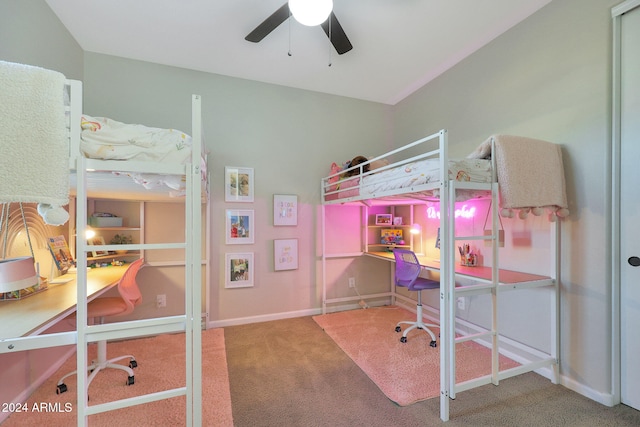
(630, 208)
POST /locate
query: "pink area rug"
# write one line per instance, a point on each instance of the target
(405, 372)
(161, 366)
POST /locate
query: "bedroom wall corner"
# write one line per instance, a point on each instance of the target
(32, 34)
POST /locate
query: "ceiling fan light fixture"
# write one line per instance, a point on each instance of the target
(311, 12)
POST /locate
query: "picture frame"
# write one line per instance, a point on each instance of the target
(97, 241)
(285, 254)
(384, 219)
(239, 270)
(239, 226)
(238, 184)
(285, 210)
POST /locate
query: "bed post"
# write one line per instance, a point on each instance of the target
(324, 257)
(447, 257)
(194, 269)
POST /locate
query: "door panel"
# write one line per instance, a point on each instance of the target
(630, 209)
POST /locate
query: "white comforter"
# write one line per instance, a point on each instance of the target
(425, 171)
(108, 139)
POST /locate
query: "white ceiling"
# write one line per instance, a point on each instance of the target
(398, 45)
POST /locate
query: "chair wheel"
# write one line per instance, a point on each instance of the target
(398, 329)
(403, 339)
(130, 380)
(433, 344)
(61, 388)
(133, 364)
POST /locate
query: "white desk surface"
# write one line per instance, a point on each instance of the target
(32, 315)
(481, 272)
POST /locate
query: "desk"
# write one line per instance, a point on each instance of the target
(34, 314)
(478, 272)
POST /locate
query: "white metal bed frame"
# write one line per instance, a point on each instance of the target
(190, 323)
(449, 292)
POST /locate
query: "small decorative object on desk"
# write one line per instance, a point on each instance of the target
(19, 279)
(467, 258)
(61, 253)
(121, 239)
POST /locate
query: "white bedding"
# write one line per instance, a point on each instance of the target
(409, 176)
(108, 139)
(424, 172)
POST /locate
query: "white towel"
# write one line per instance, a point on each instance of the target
(34, 149)
(530, 173)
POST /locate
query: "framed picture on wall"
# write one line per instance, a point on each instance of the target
(285, 209)
(239, 270)
(285, 254)
(238, 184)
(239, 226)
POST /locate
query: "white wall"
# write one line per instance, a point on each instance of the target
(547, 78)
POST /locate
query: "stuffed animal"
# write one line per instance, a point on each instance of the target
(355, 162)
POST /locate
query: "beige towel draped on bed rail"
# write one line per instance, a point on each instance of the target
(34, 149)
(530, 174)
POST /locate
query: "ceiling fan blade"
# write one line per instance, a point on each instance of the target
(338, 37)
(269, 24)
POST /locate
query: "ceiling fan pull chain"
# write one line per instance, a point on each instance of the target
(289, 52)
(329, 40)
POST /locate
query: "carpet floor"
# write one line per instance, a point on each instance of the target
(160, 367)
(405, 372)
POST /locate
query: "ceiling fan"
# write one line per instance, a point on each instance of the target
(331, 27)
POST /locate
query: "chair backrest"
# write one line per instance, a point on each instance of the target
(407, 267)
(128, 287)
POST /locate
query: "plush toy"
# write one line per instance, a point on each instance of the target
(53, 215)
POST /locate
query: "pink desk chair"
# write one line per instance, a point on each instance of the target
(100, 308)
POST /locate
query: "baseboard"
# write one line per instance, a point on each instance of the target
(286, 315)
(262, 318)
(606, 399)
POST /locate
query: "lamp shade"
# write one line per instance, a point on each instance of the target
(415, 229)
(17, 273)
(310, 12)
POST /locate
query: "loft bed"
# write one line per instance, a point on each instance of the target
(422, 172)
(114, 181)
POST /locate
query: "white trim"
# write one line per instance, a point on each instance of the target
(263, 318)
(624, 7)
(606, 399)
(288, 315)
(613, 219)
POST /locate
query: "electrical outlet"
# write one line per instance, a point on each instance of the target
(461, 303)
(161, 301)
(352, 282)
